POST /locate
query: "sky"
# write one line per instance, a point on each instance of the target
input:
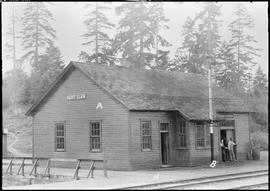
(69, 17)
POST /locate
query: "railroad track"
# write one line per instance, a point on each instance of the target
(253, 186)
(243, 180)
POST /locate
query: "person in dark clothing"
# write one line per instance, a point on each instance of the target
(227, 154)
(223, 150)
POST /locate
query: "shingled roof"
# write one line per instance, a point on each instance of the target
(140, 89)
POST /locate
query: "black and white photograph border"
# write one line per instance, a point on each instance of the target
(134, 95)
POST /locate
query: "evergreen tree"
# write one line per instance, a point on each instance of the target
(191, 56)
(37, 31)
(137, 31)
(9, 50)
(243, 42)
(15, 87)
(96, 23)
(45, 72)
(227, 74)
(161, 56)
(187, 56)
(260, 83)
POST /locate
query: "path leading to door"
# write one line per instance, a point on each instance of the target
(119, 179)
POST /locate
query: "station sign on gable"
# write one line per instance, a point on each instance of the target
(76, 97)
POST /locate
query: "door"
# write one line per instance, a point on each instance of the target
(164, 147)
(227, 134)
(164, 143)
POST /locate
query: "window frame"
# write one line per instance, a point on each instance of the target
(180, 133)
(150, 135)
(90, 135)
(56, 136)
(196, 135)
(206, 136)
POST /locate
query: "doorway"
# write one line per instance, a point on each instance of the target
(226, 134)
(164, 142)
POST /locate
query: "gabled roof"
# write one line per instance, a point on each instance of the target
(139, 89)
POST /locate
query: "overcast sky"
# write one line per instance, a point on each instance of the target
(69, 17)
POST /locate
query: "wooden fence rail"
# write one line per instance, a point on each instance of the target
(35, 165)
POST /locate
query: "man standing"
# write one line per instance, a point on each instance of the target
(231, 151)
(223, 150)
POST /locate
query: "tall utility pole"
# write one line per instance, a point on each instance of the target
(210, 87)
(248, 98)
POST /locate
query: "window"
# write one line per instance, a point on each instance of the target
(227, 123)
(164, 127)
(60, 136)
(200, 135)
(95, 136)
(146, 135)
(182, 133)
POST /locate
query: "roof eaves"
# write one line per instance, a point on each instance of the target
(184, 114)
(59, 77)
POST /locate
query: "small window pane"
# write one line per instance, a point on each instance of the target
(95, 133)
(146, 134)
(200, 135)
(182, 133)
(60, 136)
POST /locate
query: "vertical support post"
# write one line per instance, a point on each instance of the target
(10, 172)
(91, 170)
(21, 167)
(210, 88)
(104, 164)
(249, 136)
(76, 176)
(8, 168)
(47, 169)
(34, 168)
(105, 168)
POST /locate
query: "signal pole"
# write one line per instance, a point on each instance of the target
(209, 59)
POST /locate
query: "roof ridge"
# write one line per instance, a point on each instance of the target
(141, 69)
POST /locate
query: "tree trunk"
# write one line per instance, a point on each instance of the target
(96, 36)
(238, 45)
(36, 44)
(13, 35)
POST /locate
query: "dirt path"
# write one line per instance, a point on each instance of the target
(14, 151)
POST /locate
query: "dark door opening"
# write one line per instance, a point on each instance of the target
(164, 147)
(226, 134)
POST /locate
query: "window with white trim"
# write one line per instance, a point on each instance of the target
(182, 132)
(95, 136)
(146, 140)
(60, 136)
(202, 135)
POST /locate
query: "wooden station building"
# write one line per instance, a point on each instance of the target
(135, 118)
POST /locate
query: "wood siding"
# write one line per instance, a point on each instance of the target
(242, 135)
(152, 159)
(77, 115)
(203, 156)
(4, 145)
